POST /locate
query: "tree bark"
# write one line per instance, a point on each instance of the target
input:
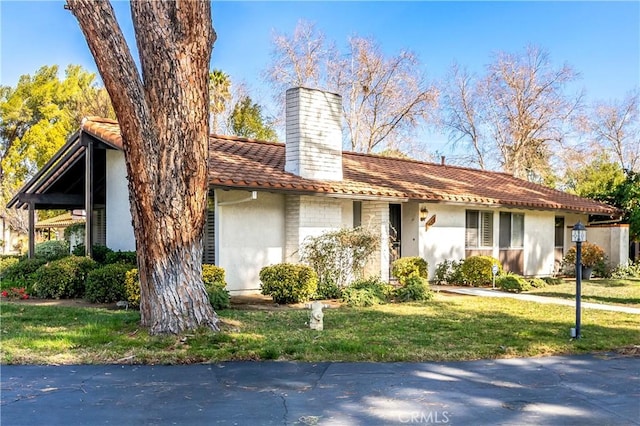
(163, 118)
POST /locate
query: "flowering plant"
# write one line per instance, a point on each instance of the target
(592, 254)
(15, 293)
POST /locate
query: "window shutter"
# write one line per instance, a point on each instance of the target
(209, 241)
(486, 223)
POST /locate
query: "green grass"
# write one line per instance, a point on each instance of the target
(447, 328)
(613, 292)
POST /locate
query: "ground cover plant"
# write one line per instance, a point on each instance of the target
(445, 328)
(608, 291)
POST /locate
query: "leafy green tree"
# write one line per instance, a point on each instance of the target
(605, 180)
(247, 121)
(36, 117)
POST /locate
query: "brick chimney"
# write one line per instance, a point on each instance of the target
(314, 134)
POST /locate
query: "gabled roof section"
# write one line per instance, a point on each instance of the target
(239, 163)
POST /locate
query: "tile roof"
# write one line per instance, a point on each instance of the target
(238, 163)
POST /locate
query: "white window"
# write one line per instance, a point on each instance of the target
(479, 229)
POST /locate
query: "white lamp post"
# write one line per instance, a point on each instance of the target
(578, 236)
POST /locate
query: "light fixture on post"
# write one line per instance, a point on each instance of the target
(578, 236)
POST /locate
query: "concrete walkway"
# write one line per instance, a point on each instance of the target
(488, 292)
(561, 390)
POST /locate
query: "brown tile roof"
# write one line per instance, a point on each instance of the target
(255, 165)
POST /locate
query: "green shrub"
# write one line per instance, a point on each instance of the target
(52, 250)
(132, 288)
(6, 262)
(552, 280)
(414, 289)
(477, 270)
(407, 267)
(125, 257)
(98, 252)
(22, 274)
(537, 283)
(630, 270)
(327, 290)
(63, 278)
(513, 283)
(288, 283)
(106, 284)
(367, 292)
(449, 272)
(339, 256)
(214, 282)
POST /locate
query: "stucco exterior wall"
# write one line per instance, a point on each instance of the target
(614, 240)
(119, 235)
(250, 236)
(444, 240)
(539, 242)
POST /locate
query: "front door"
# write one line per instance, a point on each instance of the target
(395, 233)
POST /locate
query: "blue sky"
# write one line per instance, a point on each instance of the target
(601, 40)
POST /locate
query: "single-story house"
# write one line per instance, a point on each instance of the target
(265, 198)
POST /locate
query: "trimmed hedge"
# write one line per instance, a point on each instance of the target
(513, 283)
(213, 278)
(52, 250)
(63, 278)
(22, 274)
(98, 252)
(407, 267)
(123, 257)
(477, 270)
(414, 289)
(288, 283)
(107, 283)
(367, 292)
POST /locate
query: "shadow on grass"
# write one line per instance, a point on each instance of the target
(611, 300)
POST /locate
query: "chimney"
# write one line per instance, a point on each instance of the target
(442, 160)
(314, 134)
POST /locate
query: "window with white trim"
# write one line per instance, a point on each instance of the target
(479, 229)
(511, 230)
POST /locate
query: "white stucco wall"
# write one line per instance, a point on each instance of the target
(119, 224)
(614, 240)
(444, 240)
(539, 242)
(250, 236)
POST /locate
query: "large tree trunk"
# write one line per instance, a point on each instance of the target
(163, 118)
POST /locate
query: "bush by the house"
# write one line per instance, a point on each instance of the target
(537, 283)
(21, 274)
(367, 292)
(52, 250)
(449, 272)
(552, 280)
(591, 254)
(214, 282)
(125, 257)
(407, 267)
(414, 289)
(13, 293)
(63, 278)
(132, 288)
(477, 270)
(513, 283)
(327, 290)
(288, 283)
(629, 270)
(338, 257)
(106, 284)
(98, 252)
(6, 262)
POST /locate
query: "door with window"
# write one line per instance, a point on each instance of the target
(511, 253)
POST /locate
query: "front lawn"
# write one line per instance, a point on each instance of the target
(447, 328)
(608, 291)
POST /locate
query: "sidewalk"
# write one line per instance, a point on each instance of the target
(488, 292)
(560, 390)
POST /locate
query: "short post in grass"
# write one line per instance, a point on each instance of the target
(578, 236)
(494, 272)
